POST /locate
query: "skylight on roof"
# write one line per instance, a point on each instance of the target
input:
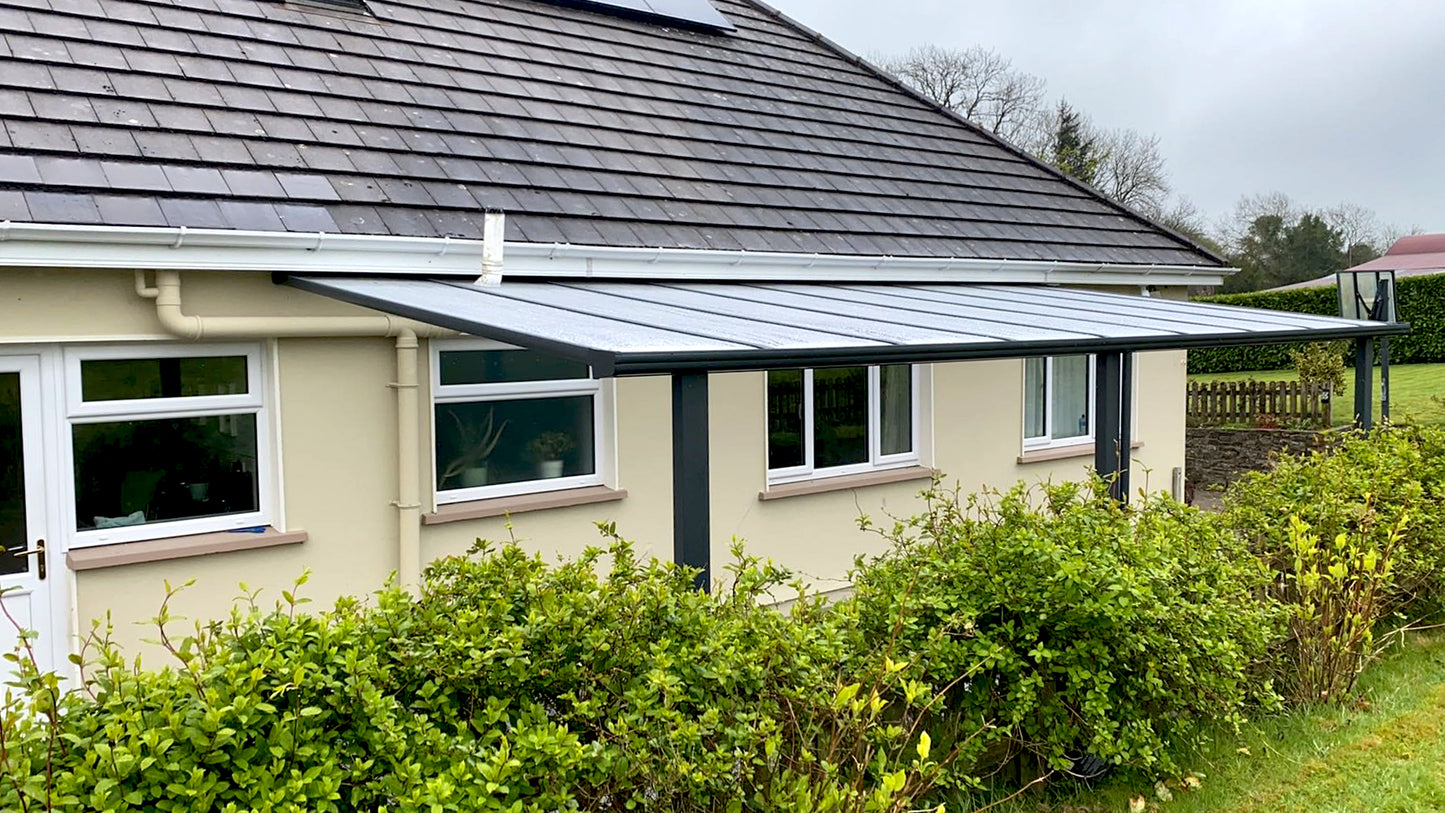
(696, 13)
(358, 6)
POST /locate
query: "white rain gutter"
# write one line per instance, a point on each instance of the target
(58, 246)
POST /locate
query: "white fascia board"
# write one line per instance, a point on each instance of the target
(534, 259)
(59, 246)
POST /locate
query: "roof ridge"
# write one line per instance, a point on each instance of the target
(1003, 142)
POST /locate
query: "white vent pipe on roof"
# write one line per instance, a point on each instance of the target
(494, 230)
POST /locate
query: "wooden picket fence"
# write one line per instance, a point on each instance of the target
(1257, 402)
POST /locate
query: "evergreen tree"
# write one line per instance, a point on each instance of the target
(1074, 150)
(1274, 251)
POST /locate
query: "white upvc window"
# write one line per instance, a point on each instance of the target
(1058, 401)
(166, 441)
(841, 420)
(508, 421)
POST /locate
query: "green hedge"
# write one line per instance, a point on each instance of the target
(1422, 304)
(509, 686)
(1072, 624)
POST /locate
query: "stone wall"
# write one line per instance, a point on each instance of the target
(1214, 456)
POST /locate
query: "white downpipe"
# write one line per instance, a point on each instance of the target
(408, 441)
(171, 313)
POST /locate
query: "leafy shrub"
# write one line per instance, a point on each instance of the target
(508, 685)
(1363, 487)
(1355, 534)
(1072, 624)
(1322, 364)
(1336, 588)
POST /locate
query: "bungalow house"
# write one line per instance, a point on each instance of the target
(348, 284)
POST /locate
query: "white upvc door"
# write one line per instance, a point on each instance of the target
(33, 577)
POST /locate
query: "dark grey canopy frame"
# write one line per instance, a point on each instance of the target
(687, 330)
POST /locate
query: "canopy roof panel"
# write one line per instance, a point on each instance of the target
(639, 328)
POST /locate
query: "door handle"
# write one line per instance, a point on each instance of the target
(39, 551)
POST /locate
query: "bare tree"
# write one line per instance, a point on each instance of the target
(1131, 169)
(1185, 218)
(1390, 232)
(979, 84)
(1360, 229)
(1248, 208)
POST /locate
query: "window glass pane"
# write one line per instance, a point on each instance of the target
(840, 417)
(1034, 398)
(496, 366)
(13, 535)
(134, 472)
(495, 442)
(895, 392)
(785, 418)
(124, 379)
(1071, 397)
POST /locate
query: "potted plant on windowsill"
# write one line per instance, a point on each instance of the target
(476, 444)
(547, 449)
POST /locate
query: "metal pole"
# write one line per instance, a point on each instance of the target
(1383, 309)
(1385, 379)
(1364, 383)
(1126, 428)
(1107, 394)
(691, 501)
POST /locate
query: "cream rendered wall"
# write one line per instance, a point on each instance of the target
(644, 470)
(336, 418)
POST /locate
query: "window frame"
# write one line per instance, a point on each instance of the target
(441, 394)
(877, 461)
(255, 401)
(1047, 440)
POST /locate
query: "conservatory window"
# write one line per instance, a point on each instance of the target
(511, 421)
(1058, 400)
(841, 420)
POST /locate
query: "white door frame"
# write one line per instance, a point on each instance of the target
(39, 400)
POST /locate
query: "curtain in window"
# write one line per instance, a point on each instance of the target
(895, 392)
(1034, 398)
(1071, 397)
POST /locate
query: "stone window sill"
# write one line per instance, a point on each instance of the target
(177, 547)
(846, 482)
(1065, 452)
(521, 504)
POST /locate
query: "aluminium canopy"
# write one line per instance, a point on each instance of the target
(641, 328)
(690, 329)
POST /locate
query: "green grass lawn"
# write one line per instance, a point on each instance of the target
(1411, 389)
(1383, 754)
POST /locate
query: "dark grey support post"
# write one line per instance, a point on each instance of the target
(1365, 383)
(691, 509)
(1126, 426)
(1385, 379)
(1108, 403)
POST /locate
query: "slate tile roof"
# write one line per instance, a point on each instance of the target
(585, 127)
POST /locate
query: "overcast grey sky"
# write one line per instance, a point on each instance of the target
(1325, 100)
